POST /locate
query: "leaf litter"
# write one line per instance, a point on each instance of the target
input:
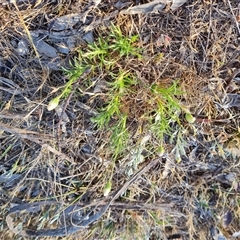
(195, 42)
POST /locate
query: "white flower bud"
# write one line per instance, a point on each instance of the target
(53, 103)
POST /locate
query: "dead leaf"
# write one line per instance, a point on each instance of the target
(232, 100)
(177, 3)
(121, 4)
(163, 40)
(236, 234)
(217, 234)
(167, 169)
(227, 218)
(100, 86)
(65, 22)
(62, 114)
(236, 186)
(233, 150)
(146, 8)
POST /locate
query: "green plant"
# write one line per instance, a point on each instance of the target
(177, 138)
(120, 136)
(167, 109)
(97, 54)
(118, 89)
(108, 56)
(124, 45)
(105, 53)
(76, 71)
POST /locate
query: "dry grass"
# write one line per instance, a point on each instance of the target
(45, 156)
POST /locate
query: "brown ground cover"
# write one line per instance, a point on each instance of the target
(56, 166)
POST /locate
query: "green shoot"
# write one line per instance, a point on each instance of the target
(73, 74)
(123, 45)
(167, 109)
(97, 51)
(107, 113)
(119, 137)
(123, 81)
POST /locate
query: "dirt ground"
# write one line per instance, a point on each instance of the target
(60, 178)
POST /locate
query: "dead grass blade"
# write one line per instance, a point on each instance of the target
(36, 137)
(27, 32)
(75, 226)
(22, 132)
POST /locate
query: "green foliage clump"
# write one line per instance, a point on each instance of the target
(110, 56)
